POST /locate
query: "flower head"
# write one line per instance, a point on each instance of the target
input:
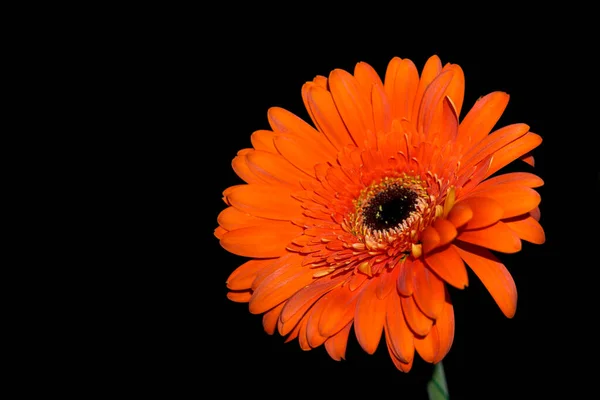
(362, 220)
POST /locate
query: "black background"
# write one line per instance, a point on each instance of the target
(241, 76)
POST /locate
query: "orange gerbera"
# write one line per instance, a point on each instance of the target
(366, 218)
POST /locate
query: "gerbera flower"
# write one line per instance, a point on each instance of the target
(363, 220)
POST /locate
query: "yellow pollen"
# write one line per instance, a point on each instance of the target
(439, 210)
(358, 246)
(324, 272)
(365, 268)
(417, 250)
(449, 202)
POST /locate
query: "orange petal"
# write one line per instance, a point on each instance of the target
(275, 169)
(302, 153)
(492, 143)
(432, 68)
(386, 283)
(339, 311)
(366, 77)
(284, 122)
(314, 337)
(514, 200)
(404, 367)
(445, 329)
(231, 218)
(480, 120)
(445, 229)
(497, 237)
(244, 275)
(405, 278)
(270, 319)
(514, 178)
(527, 228)
(514, 150)
(430, 239)
(286, 261)
(293, 334)
(398, 336)
(260, 241)
(336, 345)
(302, 338)
(355, 110)
(240, 297)
(382, 113)
(528, 158)
(428, 346)
(369, 318)
(494, 276)
(242, 169)
(401, 83)
(306, 297)
(430, 109)
(279, 287)
(263, 140)
(319, 104)
(429, 290)
(460, 215)
(536, 214)
(266, 201)
(219, 232)
(418, 322)
(448, 265)
(486, 211)
(456, 90)
(449, 121)
(475, 176)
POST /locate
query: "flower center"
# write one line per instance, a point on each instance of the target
(388, 208)
(391, 212)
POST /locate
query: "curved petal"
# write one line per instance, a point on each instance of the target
(339, 311)
(354, 109)
(527, 228)
(336, 344)
(418, 322)
(494, 276)
(514, 200)
(275, 169)
(244, 275)
(429, 290)
(263, 140)
(512, 151)
(266, 201)
(398, 335)
(486, 211)
(432, 68)
(456, 90)
(497, 237)
(260, 241)
(480, 120)
(401, 83)
(369, 318)
(319, 104)
(448, 265)
(270, 319)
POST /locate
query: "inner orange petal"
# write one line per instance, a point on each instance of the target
(448, 265)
